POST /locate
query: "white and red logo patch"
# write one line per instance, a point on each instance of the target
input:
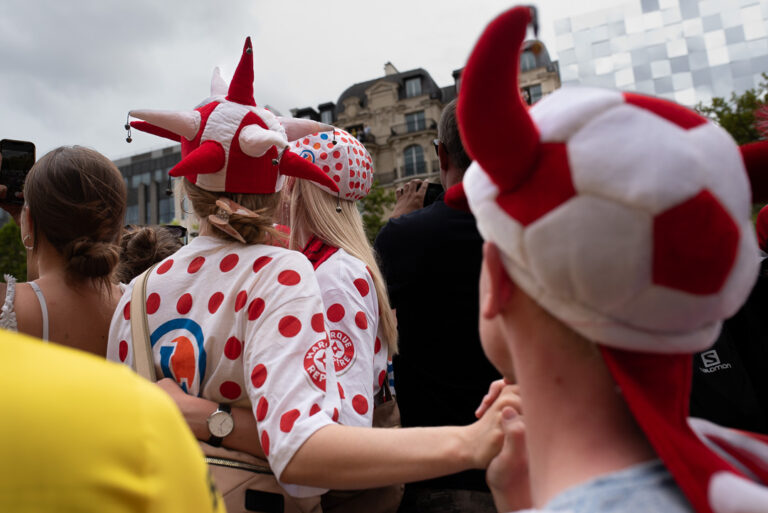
(343, 350)
(314, 363)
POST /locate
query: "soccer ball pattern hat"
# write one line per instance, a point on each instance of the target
(343, 158)
(628, 218)
(229, 144)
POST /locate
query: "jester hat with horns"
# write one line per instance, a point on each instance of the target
(626, 217)
(229, 144)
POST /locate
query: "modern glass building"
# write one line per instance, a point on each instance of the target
(683, 50)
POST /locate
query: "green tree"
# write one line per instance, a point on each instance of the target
(737, 114)
(13, 256)
(373, 206)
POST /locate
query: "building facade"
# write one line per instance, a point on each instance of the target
(149, 187)
(395, 116)
(688, 51)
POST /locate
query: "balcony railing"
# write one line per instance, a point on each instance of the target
(416, 126)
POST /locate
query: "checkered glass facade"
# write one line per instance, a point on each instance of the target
(683, 50)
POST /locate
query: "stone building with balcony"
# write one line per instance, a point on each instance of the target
(396, 115)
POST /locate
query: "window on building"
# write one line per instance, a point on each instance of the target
(531, 94)
(132, 214)
(413, 156)
(326, 116)
(415, 121)
(413, 87)
(165, 210)
(527, 61)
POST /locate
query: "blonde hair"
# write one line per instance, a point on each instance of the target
(313, 211)
(257, 230)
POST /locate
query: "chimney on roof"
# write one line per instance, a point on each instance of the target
(390, 69)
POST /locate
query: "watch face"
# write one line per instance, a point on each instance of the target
(220, 424)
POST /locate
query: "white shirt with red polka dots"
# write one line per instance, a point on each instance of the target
(241, 324)
(352, 318)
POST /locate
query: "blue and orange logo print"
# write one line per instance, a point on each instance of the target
(183, 358)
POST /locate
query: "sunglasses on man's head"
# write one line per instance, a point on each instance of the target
(436, 142)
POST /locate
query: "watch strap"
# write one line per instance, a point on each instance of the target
(217, 440)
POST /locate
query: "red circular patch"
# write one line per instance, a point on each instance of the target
(315, 408)
(255, 309)
(318, 323)
(335, 416)
(184, 305)
(336, 154)
(153, 303)
(360, 404)
(265, 442)
(122, 350)
(351, 174)
(261, 262)
(289, 326)
(338, 166)
(233, 348)
(288, 419)
(261, 409)
(306, 140)
(323, 156)
(240, 300)
(127, 311)
(289, 278)
(314, 363)
(362, 286)
(228, 262)
(341, 391)
(215, 302)
(382, 377)
(336, 178)
(230, 390)
(335, 312)
(361, 321)
(258, 375)
(343, 350)
(195, 265)
(377, 346)
(165, 266)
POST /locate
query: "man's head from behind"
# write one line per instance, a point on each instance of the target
(623, 216)
(453, 158)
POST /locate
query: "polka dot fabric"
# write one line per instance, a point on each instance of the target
(352, 318)
(347, 162)
(233, 324)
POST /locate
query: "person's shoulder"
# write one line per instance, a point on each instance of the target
(343, 270)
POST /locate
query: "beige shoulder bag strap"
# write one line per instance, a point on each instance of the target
(143, 362)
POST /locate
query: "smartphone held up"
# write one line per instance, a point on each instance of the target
(18, 157)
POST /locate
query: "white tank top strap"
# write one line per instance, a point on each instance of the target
(43, 308)
(7, 312)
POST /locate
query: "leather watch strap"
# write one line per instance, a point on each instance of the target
(216, 440)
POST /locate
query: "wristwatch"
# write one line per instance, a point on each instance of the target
(220, 424)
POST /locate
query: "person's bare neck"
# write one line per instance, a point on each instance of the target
(578, 426)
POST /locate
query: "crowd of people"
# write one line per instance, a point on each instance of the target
(550, 317)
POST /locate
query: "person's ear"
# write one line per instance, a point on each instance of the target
(443, 157)
(497, 287)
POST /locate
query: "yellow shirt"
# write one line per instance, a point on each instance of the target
(81, 434)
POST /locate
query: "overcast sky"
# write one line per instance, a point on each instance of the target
(71, 70)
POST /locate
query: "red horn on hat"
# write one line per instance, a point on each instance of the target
(241, 87)
(208, 158)
(155, 130)
(755, 156)
(495, 126)
(291, 164)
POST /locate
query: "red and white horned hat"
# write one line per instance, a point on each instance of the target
(343, 158)
(627, 217)
(229, 144)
